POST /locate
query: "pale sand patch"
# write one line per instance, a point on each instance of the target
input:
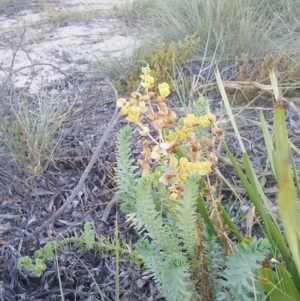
(70, 47)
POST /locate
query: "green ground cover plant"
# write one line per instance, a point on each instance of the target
(88, 240)
(166, 204)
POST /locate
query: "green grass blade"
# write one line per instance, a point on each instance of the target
(287, 196)
(287, 283)
(227, 220)
(103, 298)
(269, 146)
(295, 173)
(272, 230)
(254, 182)
(58, 276)
(255, 191)
(229, 111)
(267, 281)
(117, 289)
(203, 212)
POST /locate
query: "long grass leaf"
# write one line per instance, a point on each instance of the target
(287, 283)
(229, 111)
(267, 281)
(287, 196)
(272, 230)
(227, 220)
(269, 145)
(117, 289)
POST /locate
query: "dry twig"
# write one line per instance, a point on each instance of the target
(60, 211)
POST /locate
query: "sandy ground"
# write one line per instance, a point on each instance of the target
(70, 34)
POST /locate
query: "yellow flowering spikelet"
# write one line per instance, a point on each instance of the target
(203, 167)
(147, 81)
(205, 120)
(164, 90)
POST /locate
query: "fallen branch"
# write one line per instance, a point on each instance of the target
(114, 120)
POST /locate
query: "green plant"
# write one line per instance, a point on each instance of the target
(136, 9)
(163, 59)
(31, 129)
(240, 269)
(283, 283)
(54, 14)
(37, 267)
(166, 202)
(87, 241)
(241, 26)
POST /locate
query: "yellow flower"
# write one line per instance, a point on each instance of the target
(147, 81)
(204, 168)
(133, 114)
(34, 169)
(125, 110)
(184, 162)
(190, 120)
(121, 102)
(211, 117)
(134, 101)
(204, 121)
(147, 78)
(146, 70)
(181, 134)
(164, 89)
(184, 176)
(173, 196)
(146, 85)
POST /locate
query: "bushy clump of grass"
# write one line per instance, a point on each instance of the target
(116, 67)
(233, 26)
(249, 37)
(6, 3)
(29, 132)
(136, 9)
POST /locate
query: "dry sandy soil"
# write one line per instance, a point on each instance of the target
(69, 34)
